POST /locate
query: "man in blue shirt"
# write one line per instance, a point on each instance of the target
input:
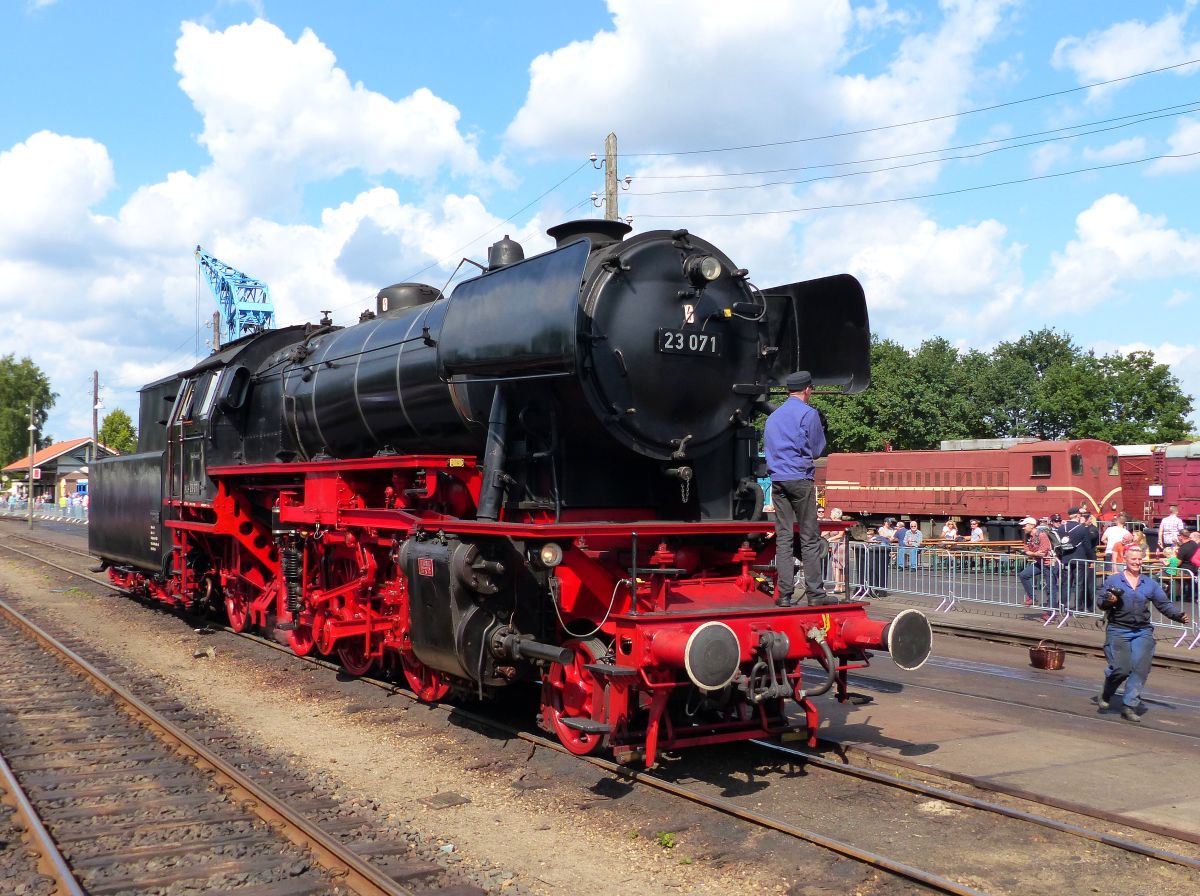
(1129, 644)
(792, 441)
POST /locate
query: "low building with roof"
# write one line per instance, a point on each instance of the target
(58, 469)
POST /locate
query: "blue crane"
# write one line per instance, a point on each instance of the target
(245, 302)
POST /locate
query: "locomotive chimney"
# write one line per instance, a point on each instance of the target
(504, 252)
(601, 233)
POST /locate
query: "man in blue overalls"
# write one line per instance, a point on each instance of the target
(792, 441)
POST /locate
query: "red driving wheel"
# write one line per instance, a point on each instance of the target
(571, 692)
(353, 655)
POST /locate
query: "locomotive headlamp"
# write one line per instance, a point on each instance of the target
(702, 269)
(550, 555)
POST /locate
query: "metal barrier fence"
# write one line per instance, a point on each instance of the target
(976, 575)
(76, 513)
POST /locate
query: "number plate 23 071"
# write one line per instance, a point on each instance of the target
(687, 342)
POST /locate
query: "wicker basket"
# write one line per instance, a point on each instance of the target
(1047, 655)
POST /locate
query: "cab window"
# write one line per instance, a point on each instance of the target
(1076, 464)
(1041, 466)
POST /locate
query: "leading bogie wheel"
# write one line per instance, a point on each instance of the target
(571, 692)
(428, 684)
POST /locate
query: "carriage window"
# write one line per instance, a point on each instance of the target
(1112, 465)
(1076, 464)
(1041, 466)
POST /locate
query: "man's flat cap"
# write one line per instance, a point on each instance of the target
(798, 381)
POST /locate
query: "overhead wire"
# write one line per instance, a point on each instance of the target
(965, 156)
(844, 205)
(905, 124)
(1146, 115)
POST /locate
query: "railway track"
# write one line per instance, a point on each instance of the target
(948, 880)
(117, 797)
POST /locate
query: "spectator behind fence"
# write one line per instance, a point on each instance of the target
(1113, 536)
(1043, 565)
(1129, 643)
(1170, 529)
(910, 546)
(977, 535)
(837, 553)
(1078, 542)
(950, 531)
(874, 574)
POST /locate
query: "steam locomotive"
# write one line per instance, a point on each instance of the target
(546, 477)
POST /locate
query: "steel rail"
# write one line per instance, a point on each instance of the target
(949, 796)
(357, 874)
(762, 820)
(50, 860)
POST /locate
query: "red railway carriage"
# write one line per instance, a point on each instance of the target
(995, 478)
(546, 477)
(1153, 477)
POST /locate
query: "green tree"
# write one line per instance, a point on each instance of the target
(21, 381)
(118, 432)
(1041, 385)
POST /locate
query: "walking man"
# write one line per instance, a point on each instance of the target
(792, 441)
(1129, 644)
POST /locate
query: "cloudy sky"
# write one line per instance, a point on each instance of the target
(958, 157)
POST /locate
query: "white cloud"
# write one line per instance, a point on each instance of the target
(48, 184)
(1185, 140)
(880, 16)
(1115, 244)
(303, 120)
(1133, 148)
(1128, 48)
(920, 278)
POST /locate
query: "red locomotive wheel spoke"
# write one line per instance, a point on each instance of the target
(353, 656)
(570, 692)
(429, 685)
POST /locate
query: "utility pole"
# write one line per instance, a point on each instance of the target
(610, 178)
(95, 414)
(216, 331)
(29, 497)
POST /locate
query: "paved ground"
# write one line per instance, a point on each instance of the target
(981, 709)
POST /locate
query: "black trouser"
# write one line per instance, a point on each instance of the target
(796, 502)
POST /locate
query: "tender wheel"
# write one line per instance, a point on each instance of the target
(429, 685)
(570, 692)
(352, 654)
